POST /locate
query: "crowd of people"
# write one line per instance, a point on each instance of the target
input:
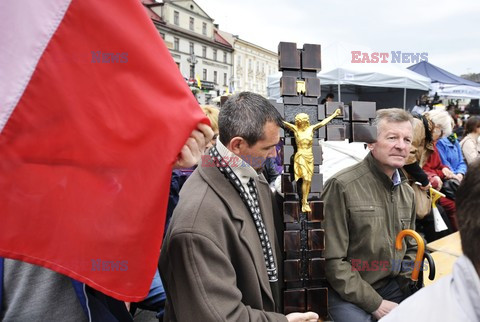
(221, 258)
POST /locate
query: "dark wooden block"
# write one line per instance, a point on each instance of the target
(317, 211)
(288, 86)
(294, 301)
(331, 107)
(312, 86)
(316, 239)
(317, 301)
(289, 56)
(363, 111)
(336, 132)
(317, 154)
(288, 151)
(294, 100)
(316, 268)
(321, 112)
(311, 57)
(363, 132)
(287, 185)
(291, 211)
(317, 183)
(291, 241)
(291, 270)
(309, 101)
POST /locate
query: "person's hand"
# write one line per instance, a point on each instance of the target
(193, 149)
(384, 308)
(425, 188)
(301, 317)
(448, 173)
(459, 177)
(439, 182)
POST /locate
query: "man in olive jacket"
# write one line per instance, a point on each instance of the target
(220, 257)
(366, 206)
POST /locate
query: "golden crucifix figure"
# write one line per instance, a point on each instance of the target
(303, 161)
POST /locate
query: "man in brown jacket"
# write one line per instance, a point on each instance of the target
(366, 206)
(220, 257)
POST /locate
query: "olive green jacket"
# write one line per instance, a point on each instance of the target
(364, 212)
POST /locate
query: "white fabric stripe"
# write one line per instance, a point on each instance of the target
(26, 27)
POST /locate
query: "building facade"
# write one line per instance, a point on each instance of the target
(202, 55)
(220, 61)
(252, 65)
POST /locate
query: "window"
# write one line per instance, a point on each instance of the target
(176, 18)
(215, 77)
(249, 64)
(215, 54)
(224, 79)
(176, 43)
(162, 35)
(205, 74)
(204, 51)
(224, 57)
(192, 49)
(204, 28)
(239, 60)
(192, 23)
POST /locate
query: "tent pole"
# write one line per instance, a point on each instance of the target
(404, 98)
(339, 95)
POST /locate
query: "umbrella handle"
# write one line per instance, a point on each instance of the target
(431, 265)
(420, 250)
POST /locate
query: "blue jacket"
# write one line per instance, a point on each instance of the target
(451, 155)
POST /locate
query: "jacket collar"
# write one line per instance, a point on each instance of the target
(373, 165)
(226, 191)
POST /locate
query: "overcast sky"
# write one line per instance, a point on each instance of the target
(449, 31)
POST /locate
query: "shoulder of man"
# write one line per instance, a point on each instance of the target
(351, 173)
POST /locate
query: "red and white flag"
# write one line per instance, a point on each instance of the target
(93, 112)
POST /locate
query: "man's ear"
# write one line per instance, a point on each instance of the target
(371, 146)
(236, 145)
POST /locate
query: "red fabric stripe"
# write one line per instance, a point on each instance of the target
(85, 159)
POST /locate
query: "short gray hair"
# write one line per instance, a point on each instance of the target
(396, 115)
(245, 115)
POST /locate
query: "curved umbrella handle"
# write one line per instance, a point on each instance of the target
(420, 249)
(431, 265)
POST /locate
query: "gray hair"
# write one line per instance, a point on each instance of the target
(396, 115)
(441, 119)
(245, 115)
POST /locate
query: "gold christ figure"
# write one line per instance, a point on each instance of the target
(303, 161)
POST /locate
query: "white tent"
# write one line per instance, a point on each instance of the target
(366, 82)
(455, 91)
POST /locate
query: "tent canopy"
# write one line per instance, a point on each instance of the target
(438, 75)
(375, 75)
(447, 84)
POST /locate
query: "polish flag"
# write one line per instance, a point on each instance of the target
(93, 113)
